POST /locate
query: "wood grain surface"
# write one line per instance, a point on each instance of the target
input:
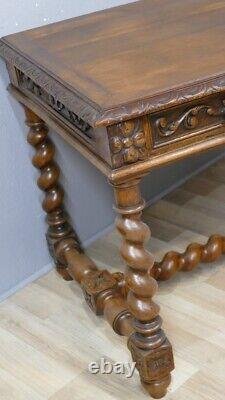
(131, 59)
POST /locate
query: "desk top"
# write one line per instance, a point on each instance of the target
(128, 60)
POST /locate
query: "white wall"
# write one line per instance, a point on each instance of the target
(24, 254)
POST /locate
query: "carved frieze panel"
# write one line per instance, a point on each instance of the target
(128, 143)
(185, 120)
(29, 85)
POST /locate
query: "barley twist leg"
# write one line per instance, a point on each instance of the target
(43, 159)
(148, 344)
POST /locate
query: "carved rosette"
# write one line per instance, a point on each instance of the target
(128, 143)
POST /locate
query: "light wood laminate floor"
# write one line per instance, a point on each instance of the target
(48, 336)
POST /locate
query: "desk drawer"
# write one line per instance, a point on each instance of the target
(184, 121)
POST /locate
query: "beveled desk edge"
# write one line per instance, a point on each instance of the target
(92, 112)
(134, 143)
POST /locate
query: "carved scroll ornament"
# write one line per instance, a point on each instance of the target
(189, 119)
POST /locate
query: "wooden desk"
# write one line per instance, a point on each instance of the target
(131, 88)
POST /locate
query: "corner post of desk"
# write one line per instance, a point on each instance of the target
(148, 344)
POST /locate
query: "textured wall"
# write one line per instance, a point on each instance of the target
(23, 250)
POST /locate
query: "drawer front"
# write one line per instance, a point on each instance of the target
(184, 121)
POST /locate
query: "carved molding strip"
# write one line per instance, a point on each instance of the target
(188, 119)
(128, 143)
(26, 83)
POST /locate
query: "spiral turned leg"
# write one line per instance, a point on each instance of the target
(57, 219)
(195, 253)
(104, 292)
(149, 347)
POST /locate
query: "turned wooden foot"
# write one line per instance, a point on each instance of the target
(149, 347)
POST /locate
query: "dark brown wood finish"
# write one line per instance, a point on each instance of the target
(131, 88)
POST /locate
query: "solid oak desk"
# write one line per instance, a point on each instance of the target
(131, 88)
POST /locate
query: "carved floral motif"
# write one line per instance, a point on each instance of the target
(128, 143)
